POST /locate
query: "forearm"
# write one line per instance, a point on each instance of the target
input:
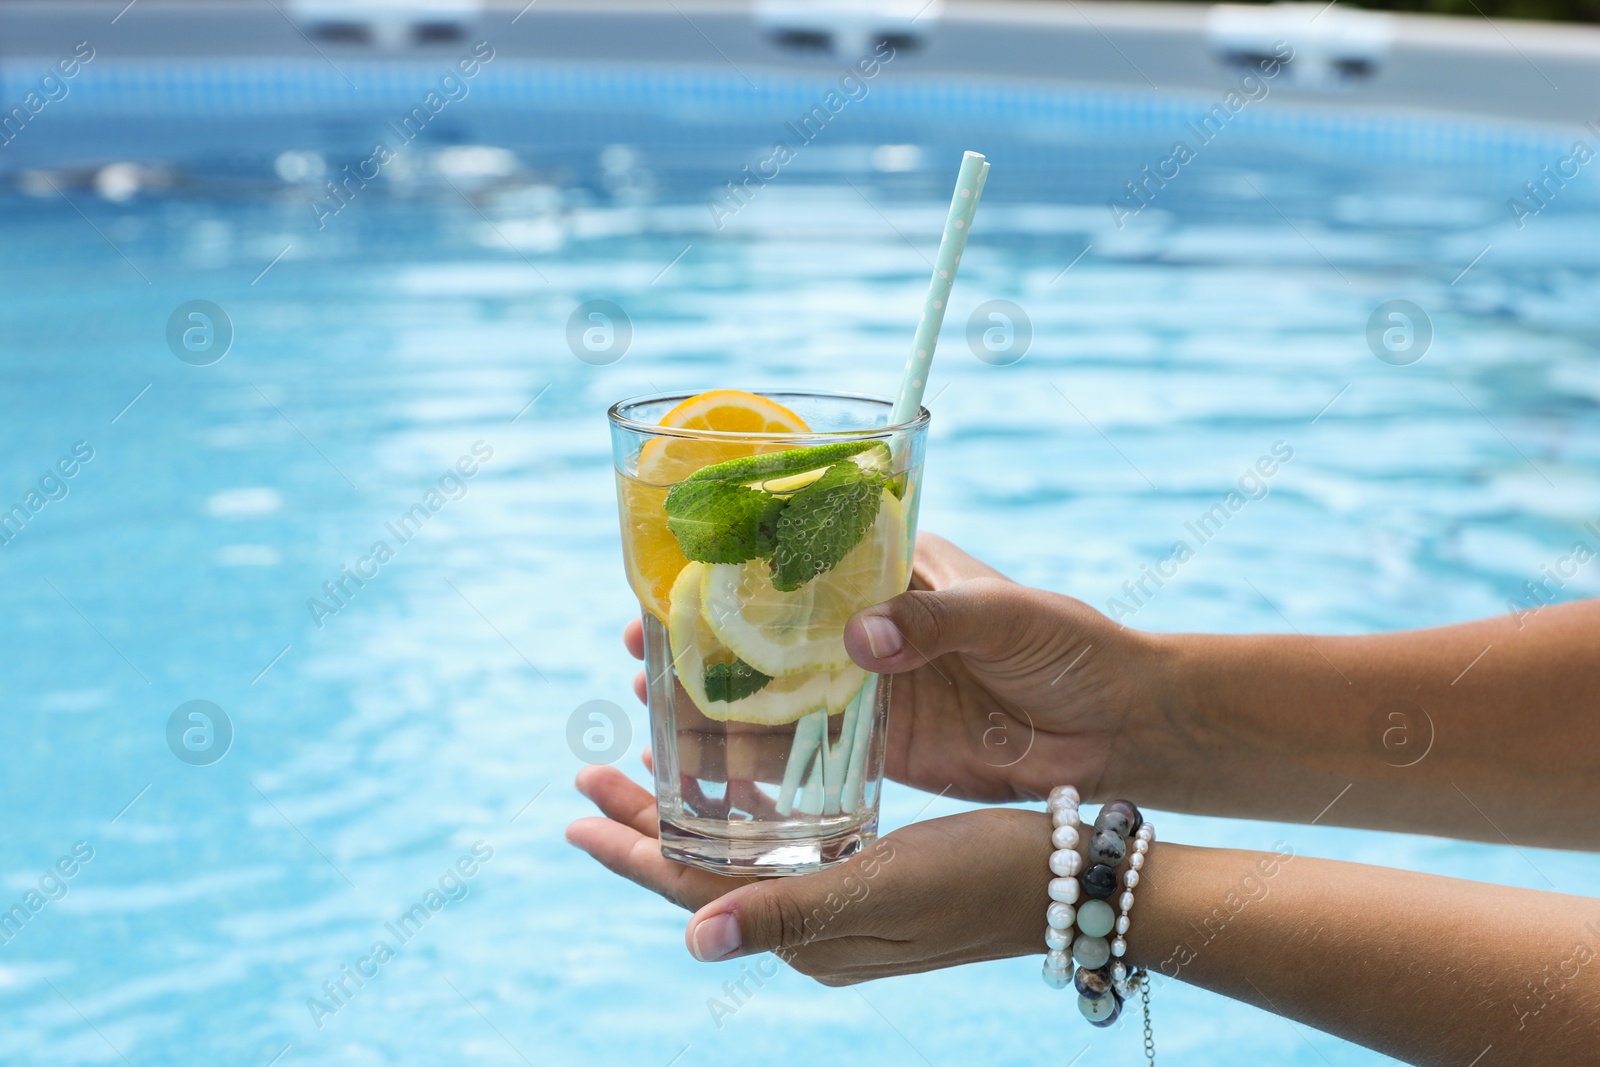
(1455, 731)
(1427, 969)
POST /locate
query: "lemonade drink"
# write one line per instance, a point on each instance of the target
(753, 528)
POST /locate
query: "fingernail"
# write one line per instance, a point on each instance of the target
(883, 636)
(716, 938)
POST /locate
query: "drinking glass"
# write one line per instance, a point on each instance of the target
(767, 740)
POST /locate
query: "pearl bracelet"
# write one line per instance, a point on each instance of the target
(1103, 981)
(1143, 837)
(1064, 865)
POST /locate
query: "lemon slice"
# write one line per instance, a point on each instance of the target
(783, 700)
(733, 411)
(649, 550)
(783, 634)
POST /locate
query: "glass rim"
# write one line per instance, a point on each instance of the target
(622, 421)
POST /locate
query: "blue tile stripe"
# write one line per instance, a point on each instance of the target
(253, 88)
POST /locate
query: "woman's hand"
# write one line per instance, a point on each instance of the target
(1004, 691)
(1428, 983)
(939, 893)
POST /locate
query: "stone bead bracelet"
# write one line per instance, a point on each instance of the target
(1081, 895)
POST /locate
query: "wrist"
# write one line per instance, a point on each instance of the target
(1184, 672)
(1028, 876)
(1164, 742)
(1226, 730)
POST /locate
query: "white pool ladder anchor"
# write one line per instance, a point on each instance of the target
(1334, 47)
(846, 29)
(387, 25)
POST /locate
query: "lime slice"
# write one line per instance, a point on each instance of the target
(795, 468)
(874, 459)
(783, 700)
(784, 634)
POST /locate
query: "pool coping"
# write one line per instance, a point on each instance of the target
(1502, 71)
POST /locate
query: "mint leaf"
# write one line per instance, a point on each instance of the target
(781, 464)
(733, 681)
(722, 522)
(822, 523)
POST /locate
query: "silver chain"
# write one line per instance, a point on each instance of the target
(1149, 1035)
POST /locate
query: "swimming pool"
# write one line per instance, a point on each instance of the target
(414, 726)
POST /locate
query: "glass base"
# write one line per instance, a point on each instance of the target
(761, 853)
(732, 796)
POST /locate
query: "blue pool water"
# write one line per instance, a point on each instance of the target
(425, 722)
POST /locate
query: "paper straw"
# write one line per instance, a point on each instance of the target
(835, 760)
(957, 226)
(810, 802)
(867, 709)
(811, 733)
(808, 732)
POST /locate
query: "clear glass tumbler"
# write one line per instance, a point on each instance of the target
(749, 551)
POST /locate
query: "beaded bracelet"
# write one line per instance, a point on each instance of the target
(1064, 865)
(1102, 980)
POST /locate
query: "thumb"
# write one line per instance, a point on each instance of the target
(780, 915)
(985, 617)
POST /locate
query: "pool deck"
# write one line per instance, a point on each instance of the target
(1539, 73)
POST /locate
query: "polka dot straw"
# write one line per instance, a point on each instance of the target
(964, 202)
